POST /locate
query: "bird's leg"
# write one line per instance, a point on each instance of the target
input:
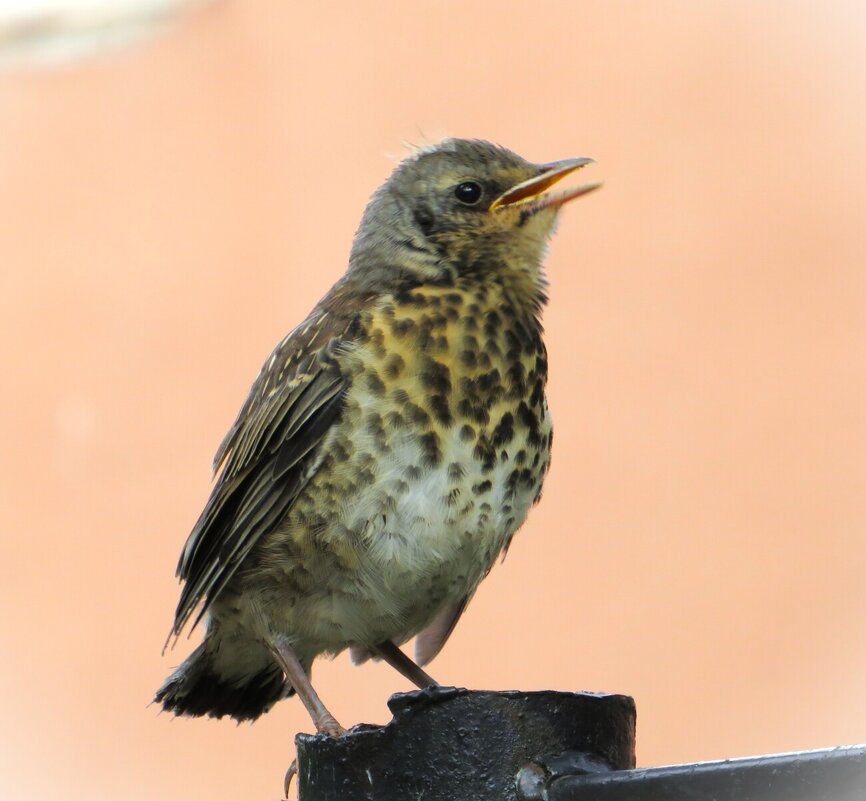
(402, 664)
(323, 720)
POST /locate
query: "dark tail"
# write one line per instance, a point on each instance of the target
(206, 684)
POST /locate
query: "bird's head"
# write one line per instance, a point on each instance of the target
(462, 206)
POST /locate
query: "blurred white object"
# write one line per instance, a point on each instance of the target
(50, 31)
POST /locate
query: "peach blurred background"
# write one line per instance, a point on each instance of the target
(169, 211)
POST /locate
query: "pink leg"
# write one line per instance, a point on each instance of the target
(401, 663)
(323, 720)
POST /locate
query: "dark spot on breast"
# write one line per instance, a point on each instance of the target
(340, 452)
(475, 410)
(417, 300)
(482, 487)
(432, 452)
(416, 414)
(394, 365)
(468, 358)
(488, 381)
(504, 431)
(413, 472)
(400, 396)
(424, 338)
(467, 433)
(492, 348)
(513, 342)
(456, 471)
(435, 376)
(394, 419)
(468, 387)
(374, 383)
(374, 425)
(516, 377)
(526, 416)
(511, 481)
(541, 362)
(484, 453)
(537, 393)
(492, 323)
(438, 320)
(441, 411)
(403, 328)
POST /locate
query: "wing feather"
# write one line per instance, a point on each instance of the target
(429, 642)
(269, 454)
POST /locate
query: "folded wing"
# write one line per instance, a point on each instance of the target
(267, 458)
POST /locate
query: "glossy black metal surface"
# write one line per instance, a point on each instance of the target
(835, 774)
(447, 744)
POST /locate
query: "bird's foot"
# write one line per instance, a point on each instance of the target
(327, 724)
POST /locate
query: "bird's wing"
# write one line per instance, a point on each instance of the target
(268, 455)
(429, 642)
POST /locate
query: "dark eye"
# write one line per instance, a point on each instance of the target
(468, 192)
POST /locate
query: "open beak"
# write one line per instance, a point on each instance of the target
(531, 192)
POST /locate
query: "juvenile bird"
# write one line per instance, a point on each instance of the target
(390, 447)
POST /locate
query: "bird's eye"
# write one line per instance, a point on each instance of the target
(468, 192)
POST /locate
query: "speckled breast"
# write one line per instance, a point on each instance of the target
(441, 450)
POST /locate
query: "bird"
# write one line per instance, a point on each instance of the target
(390, 447)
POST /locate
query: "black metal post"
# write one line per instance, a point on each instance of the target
(832, 774)
(450, 744)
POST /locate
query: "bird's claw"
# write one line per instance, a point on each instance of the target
(290, 774)
(327, 726)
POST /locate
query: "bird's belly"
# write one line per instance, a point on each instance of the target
(450, 520)
(425, 534)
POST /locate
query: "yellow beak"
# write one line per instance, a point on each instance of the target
(530, 191)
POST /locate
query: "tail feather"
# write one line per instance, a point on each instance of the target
(201, 686)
